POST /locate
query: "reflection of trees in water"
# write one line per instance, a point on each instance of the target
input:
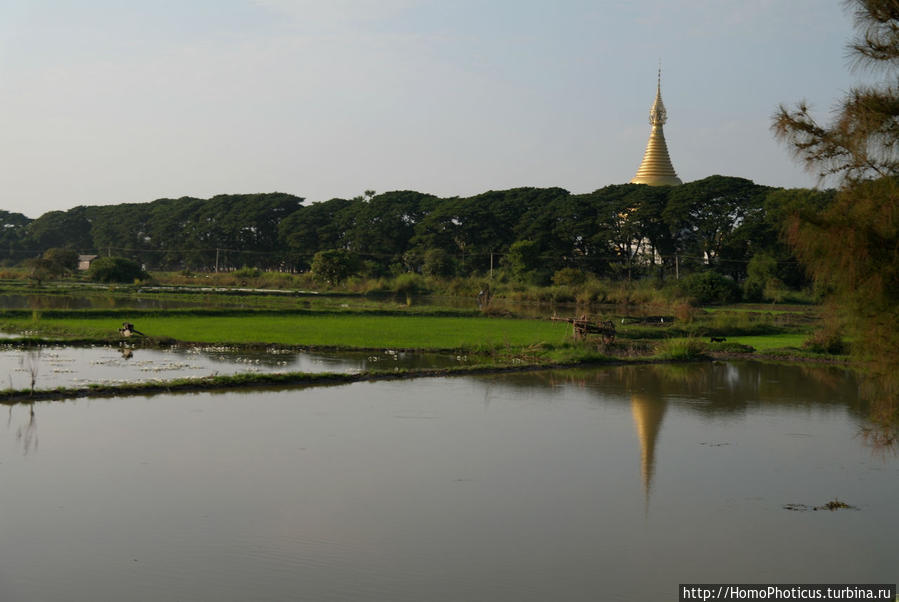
(30, 362)
(712, 387)
(26, 433)
(720, 388)
(879, 391)
(50, 301)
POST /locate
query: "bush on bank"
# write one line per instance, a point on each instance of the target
(116, 269)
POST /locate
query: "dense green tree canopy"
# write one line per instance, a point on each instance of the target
(70, 229)
(705, 213)
(627, 230)
(313, 228)
(13, 227)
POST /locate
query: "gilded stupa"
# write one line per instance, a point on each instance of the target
(656, 168)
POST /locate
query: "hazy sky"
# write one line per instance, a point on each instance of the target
(110, 101)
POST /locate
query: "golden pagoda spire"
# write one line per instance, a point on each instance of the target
(656, 168)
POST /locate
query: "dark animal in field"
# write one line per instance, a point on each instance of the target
(717, 339)
(128, 329)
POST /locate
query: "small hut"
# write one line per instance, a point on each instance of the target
(84, 261)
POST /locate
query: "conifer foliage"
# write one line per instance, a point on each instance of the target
(852, 246)
(863, 140)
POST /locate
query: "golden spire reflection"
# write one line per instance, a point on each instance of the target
(648, 415)
(656, 168)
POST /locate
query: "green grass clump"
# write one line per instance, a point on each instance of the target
(681, 349)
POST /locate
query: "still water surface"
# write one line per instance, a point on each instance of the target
(64, 366)
(606, 484)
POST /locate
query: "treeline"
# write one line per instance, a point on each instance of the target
(624, 231)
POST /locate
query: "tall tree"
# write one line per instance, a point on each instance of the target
(383, 225)
(704, 214)
(71, 229)
(475, 229)
(314, 228)
(13, 227)
(853, 245)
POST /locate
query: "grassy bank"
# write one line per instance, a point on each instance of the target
(771, 341)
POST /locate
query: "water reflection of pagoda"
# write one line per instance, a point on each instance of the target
(648, 406)
(648, 414)
(725, 389)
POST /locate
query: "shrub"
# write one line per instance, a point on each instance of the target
(409, 284)
(246, 272)
(762, 281)
(116, 269)
(522, 261)
(40, 269)
(66, 259)
(463, 287)
(593, 292)
(683, 311)
(334, 265)
(710, 288)
(569, 277)
(826, 340)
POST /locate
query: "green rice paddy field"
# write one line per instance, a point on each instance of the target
(323, 330)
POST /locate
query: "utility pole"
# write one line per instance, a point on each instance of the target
(491, 265)
(676, 268)
(216, 260)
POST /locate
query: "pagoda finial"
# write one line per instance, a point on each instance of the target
(657, 114)
(656, 168)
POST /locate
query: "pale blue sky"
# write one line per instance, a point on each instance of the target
(110, 101)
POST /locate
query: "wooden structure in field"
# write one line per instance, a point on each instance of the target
(582, 327)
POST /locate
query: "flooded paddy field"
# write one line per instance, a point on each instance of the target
(613, 483)
(95, 301)
(163, 298)
(63, 366)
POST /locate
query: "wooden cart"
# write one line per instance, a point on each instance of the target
(582, 327)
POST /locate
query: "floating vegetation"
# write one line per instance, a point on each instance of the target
(832, 505)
